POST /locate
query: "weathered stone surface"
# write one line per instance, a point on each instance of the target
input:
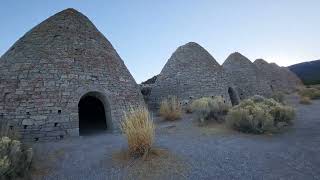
(246, 77)
(46, 72)
(280, 78)
(191, 72)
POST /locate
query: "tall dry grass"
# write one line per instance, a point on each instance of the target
(170, 109)
(139, 129)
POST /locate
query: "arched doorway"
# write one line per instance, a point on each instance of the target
(234, 98)
(94, 114)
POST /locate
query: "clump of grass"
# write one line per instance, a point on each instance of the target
(312, 93)
(170, 109)
(209, 108)
(305, 100)
(256, 115)
(139, 129)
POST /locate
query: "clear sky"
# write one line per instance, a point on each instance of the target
(145, 33)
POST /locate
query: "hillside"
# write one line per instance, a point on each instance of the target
(308, 72)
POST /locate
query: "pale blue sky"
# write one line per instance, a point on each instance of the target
(145, 33)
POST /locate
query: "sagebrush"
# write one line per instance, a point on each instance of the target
(210, 108)
(139, 129)
(15, 159)
(312, 93)
(170, 108)
(259, 115)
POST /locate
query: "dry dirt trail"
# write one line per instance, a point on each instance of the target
(192, 153)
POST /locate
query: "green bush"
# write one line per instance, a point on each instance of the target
(15, 159)
(253, 119)
(209, 108)
(282, 113)
(259, 115)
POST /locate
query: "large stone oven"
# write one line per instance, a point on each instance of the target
(279, 78)
(62, 70)
(245, 76)
(191, 72)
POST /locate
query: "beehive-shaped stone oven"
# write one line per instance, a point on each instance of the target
(279, 78)
(246, 77)
(64, 76)
(191, 72)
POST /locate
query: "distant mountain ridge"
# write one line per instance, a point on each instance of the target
(308, 72)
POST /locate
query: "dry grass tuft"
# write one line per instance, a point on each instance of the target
(170, 109)
(139, 129)
(305, 100)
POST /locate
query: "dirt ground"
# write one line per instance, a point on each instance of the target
(187, 151)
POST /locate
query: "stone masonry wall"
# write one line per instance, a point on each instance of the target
(190, 73)
(280, 78)
(46, 72)
(246, 76)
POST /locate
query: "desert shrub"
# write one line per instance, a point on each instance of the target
(209, 108)
(259, 115)
(312, 93)
(305, 100)
(15, 159)
(139, 129)
(278, 96)
(282, 113)
(253, 119)
(170, 109)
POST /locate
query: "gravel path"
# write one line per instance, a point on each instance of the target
(194, 152)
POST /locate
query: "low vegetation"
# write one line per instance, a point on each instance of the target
(139, 129)
(209, 108)
(170, 109)
(259, 115)
(312, 93)
(305, 100)
(15, 158)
